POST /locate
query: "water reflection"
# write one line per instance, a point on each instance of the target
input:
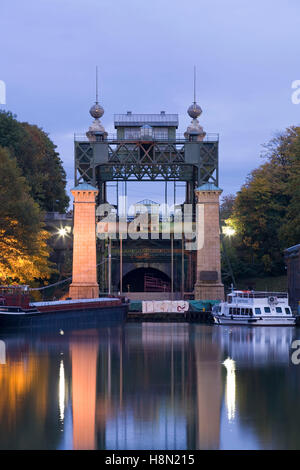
(150, 386)
(61, 391)
(230, 388)
(2, 352)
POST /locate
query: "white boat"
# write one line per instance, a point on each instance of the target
(254, 308)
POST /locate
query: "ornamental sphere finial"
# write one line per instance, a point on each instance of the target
(96, 111)
(194, 111)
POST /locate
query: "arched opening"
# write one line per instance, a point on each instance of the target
(146, 280)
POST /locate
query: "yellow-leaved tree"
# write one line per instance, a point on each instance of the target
(23, 241)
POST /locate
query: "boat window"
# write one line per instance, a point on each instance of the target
(278, 310)
(267, 310)
(245, 311)
(287, 311)
(257, 311)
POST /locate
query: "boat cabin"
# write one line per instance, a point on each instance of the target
(257, 303)
(15, 295)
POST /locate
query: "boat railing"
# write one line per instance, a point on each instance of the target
(258, 294)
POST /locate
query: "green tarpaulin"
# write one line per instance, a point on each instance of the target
(202, 305)
(135, 306)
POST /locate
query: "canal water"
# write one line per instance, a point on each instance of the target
(150, 386)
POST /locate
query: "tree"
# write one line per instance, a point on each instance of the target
(284, 151)
(23, 242)
(38, 160)
(266, 211)
(226, 207)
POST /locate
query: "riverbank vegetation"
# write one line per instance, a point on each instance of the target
(264, 216)
(32, 180)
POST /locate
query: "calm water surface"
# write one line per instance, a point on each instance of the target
(150, 386)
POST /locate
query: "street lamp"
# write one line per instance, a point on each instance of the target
(62, 232)
(228, 231)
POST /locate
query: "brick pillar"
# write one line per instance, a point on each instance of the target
(208, 284)
(84, 274)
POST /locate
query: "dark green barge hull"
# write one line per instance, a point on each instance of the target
(64, 320)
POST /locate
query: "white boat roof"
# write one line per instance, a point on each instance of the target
(258, 294)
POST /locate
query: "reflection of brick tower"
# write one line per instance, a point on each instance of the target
(209, 284)
(84, 352)
(84, 274)
(209, 394)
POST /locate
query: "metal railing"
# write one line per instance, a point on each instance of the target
(57, 216)
(139, 119)
(180, 138)
(258, 294)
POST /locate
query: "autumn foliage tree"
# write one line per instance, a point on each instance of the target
(32, 180)
(23, 242)
(266, 211)
(38, 161)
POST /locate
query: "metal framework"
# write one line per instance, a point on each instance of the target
(97, 163)
(178, 160)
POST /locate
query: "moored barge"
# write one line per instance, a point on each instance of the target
(16, 311)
